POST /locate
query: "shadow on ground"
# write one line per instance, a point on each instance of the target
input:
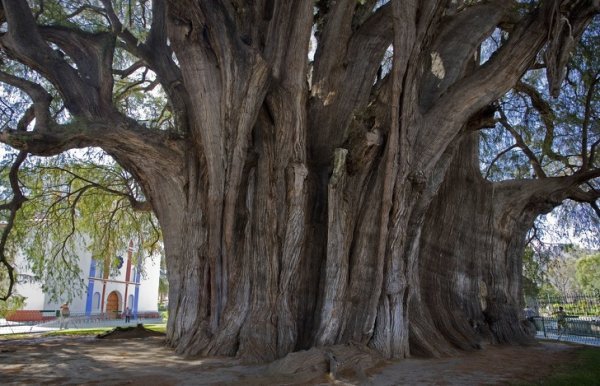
(87, 360)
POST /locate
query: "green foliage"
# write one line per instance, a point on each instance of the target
(13, 303)
(588, 272)
(583, 371)
(76, 204)
(533, 278)
(551, 271)
(547, 290)
(578, 308)
(164, 315)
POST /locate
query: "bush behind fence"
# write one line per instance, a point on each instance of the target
(580, 322)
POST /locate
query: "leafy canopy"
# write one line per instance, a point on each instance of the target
(74, 201)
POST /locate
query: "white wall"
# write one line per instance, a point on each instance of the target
(33, 294)
(149, 284)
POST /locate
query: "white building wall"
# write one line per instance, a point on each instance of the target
(34, 298)
(26, 286)
(76, 305)
(149, 285)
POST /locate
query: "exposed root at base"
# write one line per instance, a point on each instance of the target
(351, 360)
(136, 332)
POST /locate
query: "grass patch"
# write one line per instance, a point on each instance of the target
(160, 327)
(585, 370)
(16, 336)
(77, 331)
(95, 331)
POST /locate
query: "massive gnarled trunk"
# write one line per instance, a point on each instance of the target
(299, 200)
(470, 263)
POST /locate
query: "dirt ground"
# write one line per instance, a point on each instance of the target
(87, 360)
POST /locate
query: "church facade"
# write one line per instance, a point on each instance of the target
(109, 291)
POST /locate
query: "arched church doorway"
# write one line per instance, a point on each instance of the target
(112, 304)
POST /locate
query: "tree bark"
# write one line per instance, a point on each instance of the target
(312, 204)
(470, 261)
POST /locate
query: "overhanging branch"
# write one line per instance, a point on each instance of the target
(547, 114)
(13, 207)
(123, 138)
(520, 142)
(137, 205)
(158, 56)
(40, 97)
(24, 42)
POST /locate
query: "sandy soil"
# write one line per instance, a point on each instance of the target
(87, 360)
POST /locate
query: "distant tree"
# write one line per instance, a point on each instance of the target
(13, 303)
(562, 274)
(588, 272)
(533, 274)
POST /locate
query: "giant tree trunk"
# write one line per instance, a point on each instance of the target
(295, 198)
(470, 263)
(295, 223)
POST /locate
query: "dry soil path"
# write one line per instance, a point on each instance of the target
(86, 360)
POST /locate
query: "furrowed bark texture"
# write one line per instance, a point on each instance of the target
(469, 263)
(470, 260)
(299, 200)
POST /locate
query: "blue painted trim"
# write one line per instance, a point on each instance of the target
(137, 290)
(90, 289)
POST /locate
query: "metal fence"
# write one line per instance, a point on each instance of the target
(568, 317)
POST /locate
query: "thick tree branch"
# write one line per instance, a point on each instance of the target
(585, 175)
(547, 114)
(585, 126)
(580, 195)
(567, 23)
(491, 80)
(363, 12)
(41, 99)
(24, 42)
(26, 119)
(121, 137)
(158, 56)
(129, 70)
(93, 55)
(343, 80)
(457, 42)
(551, 191)
(12, 206)
(332, 38)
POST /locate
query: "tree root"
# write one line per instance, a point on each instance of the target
(351, 360)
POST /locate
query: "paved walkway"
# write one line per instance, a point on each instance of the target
(74, 323)
(587, 340)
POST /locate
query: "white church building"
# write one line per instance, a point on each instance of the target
(108, 291)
